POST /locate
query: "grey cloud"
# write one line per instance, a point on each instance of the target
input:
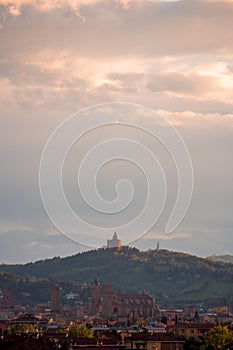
(130, 53)
(205, 243)
(209, 144)
(162, 100)
(129, 83)
(34, 245)
(161, 28)
(190, 84)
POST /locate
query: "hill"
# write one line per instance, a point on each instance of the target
(174, 278)
(225, 258)
(24, 289)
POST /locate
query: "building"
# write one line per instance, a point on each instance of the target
(114, 242)
(110, 304)
(6, 299)
(190, 311)
(171, 315)
(58, 340)
(188, 330)
(38, 323)
(157, 341)
(55, 298)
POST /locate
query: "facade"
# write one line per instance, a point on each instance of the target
(190, 311)
(153, 342)
(55, 298)
(114, 242)
(172, 315)
(116, 305)
(191, 330)
(28, 319)
(6, 299)
(57, 340)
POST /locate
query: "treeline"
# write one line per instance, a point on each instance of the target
(174, 278)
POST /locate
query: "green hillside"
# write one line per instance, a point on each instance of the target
(31, 290)
(24, 289)
(174, 278)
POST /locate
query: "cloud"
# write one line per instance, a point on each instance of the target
(57, 60)
(184, 84)
(32, 245)
(60, 56)
(145, 29)
(166, 237)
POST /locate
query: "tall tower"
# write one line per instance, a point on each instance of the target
(101, 299)
(55, 298)
(158, 245)
(95, 301)
(107, 300)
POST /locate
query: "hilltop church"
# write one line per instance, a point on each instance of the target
(114, 242)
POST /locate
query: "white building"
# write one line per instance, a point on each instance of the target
(114, 242)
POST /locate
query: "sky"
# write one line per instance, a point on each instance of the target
(58, 57)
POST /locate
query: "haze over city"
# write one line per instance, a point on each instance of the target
(59, 57)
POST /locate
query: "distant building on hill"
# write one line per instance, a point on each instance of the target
(114, 242)
(119, 305)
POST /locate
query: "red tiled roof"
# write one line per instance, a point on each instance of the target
(197, 325)
(152, 337)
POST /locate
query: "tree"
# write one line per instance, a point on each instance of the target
(192, 344)
(79, 330)
(22, 328)
(218, 338)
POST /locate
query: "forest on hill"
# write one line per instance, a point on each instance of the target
(224, 258)
(173, 278)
